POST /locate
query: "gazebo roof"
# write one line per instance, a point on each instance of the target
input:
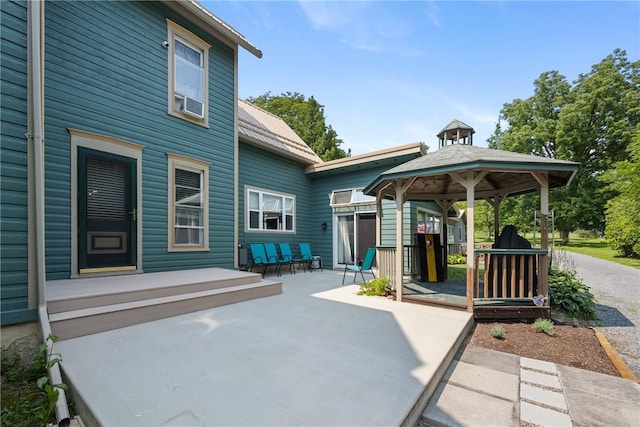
(456, 124)
(435, 176)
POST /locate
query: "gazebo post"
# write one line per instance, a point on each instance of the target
(399, 240)
(470, 185)
(444, 233)
(495, 204)
(543, 268)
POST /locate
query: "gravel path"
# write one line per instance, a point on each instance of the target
(617, 292)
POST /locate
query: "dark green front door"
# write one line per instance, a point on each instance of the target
(106, 211)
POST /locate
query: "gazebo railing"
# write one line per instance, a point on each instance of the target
(510, 273)
(386, 261)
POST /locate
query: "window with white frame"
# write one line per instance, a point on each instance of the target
(270, 211)
(188, 204)
(188, 59)
(352, 196)
(428, 222)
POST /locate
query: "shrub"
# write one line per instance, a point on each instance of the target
(543, 325)
(498, 332)
(569, 295)
(375, 287)
(456, 259)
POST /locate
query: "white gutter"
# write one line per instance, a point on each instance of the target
(35, 136)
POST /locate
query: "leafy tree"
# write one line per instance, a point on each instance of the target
(623, 211)
(306, 118)
(591, 122)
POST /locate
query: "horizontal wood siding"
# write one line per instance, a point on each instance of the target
(323, 185)
(13, 155)
(106, 72)
(268, 171)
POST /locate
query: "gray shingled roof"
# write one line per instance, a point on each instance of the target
(259, 127)
(508, 173)
(456, 124)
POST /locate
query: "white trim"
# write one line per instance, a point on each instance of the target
(107, 144)
(263, 191)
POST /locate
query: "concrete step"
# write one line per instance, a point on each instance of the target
(77, 294)
(85, 321)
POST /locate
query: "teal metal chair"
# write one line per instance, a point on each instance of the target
(287, 256)
(259, 258)
(272, 255)
(366, 265)
(307, 255)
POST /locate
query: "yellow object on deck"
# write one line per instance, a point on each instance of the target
(432, 273)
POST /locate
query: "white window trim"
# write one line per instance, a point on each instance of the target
(107, 144)
(187, 163)
(431, 213)
(351, 202)
(176, 31)
(247, 228)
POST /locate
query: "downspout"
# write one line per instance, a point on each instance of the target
(36, 137)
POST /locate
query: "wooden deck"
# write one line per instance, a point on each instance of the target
(452, 294)
(85, 306)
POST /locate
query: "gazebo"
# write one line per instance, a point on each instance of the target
(460, 171)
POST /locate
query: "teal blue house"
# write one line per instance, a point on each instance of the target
(119, 142)
(125, 150)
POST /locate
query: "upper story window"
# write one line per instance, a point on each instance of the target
(188, 204)
(267, 211)
(188, 59)
(351, 196)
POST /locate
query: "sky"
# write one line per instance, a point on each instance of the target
(390, 73)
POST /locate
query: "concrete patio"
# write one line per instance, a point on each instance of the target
(318, 354)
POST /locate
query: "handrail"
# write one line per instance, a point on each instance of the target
(503, 251)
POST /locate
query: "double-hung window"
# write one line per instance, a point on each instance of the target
(270, 211)
(188, 204)
(188, 69)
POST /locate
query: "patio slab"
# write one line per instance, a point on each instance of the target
(316, 355)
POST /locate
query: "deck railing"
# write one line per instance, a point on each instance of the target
(386, 261)
(510, 273)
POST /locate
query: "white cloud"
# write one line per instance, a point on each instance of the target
(367, 26)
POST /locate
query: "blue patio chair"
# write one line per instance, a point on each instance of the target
(307, 255)
(272, 255)
(366, 265)
(259, 258)
(287, 256)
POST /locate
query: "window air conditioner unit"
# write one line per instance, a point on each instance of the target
(189, 106)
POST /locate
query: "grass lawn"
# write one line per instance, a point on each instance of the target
(597, 247)
(593, 246)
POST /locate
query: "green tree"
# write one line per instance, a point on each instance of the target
(306, 117)
(591, 122)
(623, 211)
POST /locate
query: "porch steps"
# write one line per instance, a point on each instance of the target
(80, 307)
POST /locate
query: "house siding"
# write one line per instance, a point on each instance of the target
(268, 171)
(323, 186)
(106, 73)
(14, 237)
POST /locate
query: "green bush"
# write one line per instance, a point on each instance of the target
(456, 259)
(375, 287)
(543, 325)
(586, 234)
(623, 228)
(569, 295)
(498, 332)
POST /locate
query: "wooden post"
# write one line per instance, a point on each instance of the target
(543, 265)
(399, 240)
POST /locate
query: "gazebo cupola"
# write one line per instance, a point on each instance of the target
(456, 132)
